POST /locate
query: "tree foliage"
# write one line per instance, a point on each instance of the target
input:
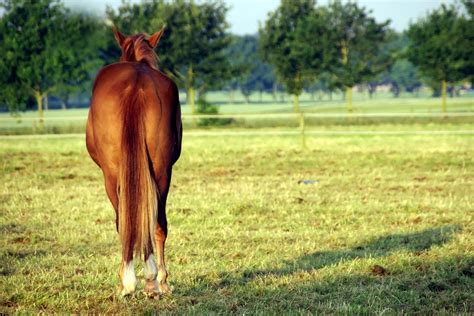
(441, 47)
(251, 72)
(49, 50)
(43, 47)
(278, 42)
(465, 52)
(132, 18)
(192, 47)
(293, 41)
(433, 45)
(78, 54)
(397, 72)
(359, 40)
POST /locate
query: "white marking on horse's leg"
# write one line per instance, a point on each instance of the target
(150, 271)
(129, 280)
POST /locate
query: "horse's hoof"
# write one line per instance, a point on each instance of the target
(165, 289)
(152, 295)
(151, 289)
(122, 292)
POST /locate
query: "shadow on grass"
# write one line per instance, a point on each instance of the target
(421, 286)
(415, 243)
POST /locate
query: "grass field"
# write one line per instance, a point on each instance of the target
(383, 224)
(73, 121)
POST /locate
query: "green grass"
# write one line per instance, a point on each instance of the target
(246, 236)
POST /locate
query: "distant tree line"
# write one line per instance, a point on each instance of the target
(50, 50)
(341, 45)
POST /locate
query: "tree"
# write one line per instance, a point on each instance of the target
(28, 38)
(252, 74)
(291, 40)
(197, 36)
(192, 47)
(464, 54)
(358, 40)
(404, 75)
(132, 18)
(397, 72)
(41, 51)
(240, 52)
(79, 55)
(441, 47)
(382, 63)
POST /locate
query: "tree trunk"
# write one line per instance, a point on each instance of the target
(371, 90)
(39, 102)
(190, 98)
(443, 95)
(349, 99)
(46, 101)
(344, 52)
(345, 58)
(190, 93)
(274, 91)
(202, 92)
(296, 103)
(232, 96)
(260, 96)
(64, 102)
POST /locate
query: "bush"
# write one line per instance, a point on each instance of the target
(204, 107)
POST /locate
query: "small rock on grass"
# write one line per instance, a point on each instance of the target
(379, 270)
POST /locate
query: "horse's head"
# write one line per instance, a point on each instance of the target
(139, 47)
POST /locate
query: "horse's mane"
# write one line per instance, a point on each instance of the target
(137, 49)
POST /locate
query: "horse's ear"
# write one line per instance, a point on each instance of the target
(119, 37)
(155, 38)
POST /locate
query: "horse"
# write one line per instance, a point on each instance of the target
(134, 134)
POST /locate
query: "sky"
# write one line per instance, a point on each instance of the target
(244, 15)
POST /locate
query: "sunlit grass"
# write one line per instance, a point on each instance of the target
(383, 224)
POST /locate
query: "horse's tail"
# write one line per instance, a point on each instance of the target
(137, 189)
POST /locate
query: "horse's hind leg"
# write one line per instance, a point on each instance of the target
(155, 268)
(127, 276)
(150, 274)
(112, 193)
(161, 231)
(160, 237)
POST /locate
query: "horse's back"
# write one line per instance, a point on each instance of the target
(161, 112)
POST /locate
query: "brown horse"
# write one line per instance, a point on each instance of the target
(134, 135)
